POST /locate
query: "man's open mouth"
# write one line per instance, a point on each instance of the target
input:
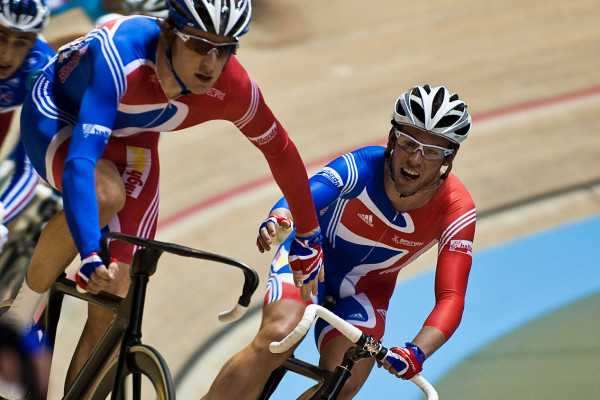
(409, 174)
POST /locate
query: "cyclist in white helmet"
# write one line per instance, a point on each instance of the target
(380, 208)
(23, 53)
(91, 127)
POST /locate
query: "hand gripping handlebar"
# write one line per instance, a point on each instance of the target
(355, 335)
(145, 262)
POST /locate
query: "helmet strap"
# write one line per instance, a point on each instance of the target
(184, 89)
(446, 173)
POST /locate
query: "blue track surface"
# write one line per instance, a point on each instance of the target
(510, 284)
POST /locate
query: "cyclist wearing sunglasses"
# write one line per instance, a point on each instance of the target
(91, 127)
(380, 208)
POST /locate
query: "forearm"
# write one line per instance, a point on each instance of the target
(429, 339)
(293, 182)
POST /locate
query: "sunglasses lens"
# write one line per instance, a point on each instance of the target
(201, 47)
(410, 146)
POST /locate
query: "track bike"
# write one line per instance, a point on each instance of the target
(330, 383)
(104, 373)
(24, 233)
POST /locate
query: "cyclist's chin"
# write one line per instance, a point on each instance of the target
(408, 187)
(200, 88)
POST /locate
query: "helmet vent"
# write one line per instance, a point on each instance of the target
(399, 109)
(448, 120)
(438, 100)
(462, 131)
(417, 111)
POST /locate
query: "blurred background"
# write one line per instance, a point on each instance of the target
(331, 71)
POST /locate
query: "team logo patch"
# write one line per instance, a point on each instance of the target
(138, 161)
(403, 242)
(99, 130)
(367, 219)
(332, 176)
(265, 137)
(462, 246)
(216, 93)
(357, 317)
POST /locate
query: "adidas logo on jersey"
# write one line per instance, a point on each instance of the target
(367, 218)
(357, 317)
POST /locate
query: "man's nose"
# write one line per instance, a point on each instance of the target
(211, 57)
(417, 153)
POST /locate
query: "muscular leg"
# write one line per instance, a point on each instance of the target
(244, 375)
(98, 320)
(56, 250)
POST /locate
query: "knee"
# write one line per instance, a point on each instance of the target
(110, 190)
(267, 334)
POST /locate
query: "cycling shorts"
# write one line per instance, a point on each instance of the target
(136, 158)
(366, 312)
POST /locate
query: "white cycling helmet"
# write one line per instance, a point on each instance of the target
(155, 8)
(435, 110)
(24, 15)
(221, 17)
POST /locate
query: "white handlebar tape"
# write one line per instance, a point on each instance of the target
(426, 387)
(311, 313)
(314, 311)
(233, 315)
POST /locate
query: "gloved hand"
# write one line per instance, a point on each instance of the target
(306, 260)
(274, 234)
(407, 361)
(87, 267)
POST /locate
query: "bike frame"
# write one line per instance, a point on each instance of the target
(125, 332)
(331, 383)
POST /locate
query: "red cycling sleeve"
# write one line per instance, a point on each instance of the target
(451, 277)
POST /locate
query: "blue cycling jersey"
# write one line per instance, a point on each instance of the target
(366, 242)
(13, 90)
(101, 97)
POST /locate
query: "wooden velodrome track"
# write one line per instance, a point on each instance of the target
(331, 71)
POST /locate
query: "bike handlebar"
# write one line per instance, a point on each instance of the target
(355, 335)
(147, 267)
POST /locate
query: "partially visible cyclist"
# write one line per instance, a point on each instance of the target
(23, 54)
(91, 128)
(380, 209)
(24, 364)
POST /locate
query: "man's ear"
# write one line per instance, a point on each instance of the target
(448, 159)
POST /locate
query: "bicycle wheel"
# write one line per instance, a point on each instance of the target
(141, 360)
